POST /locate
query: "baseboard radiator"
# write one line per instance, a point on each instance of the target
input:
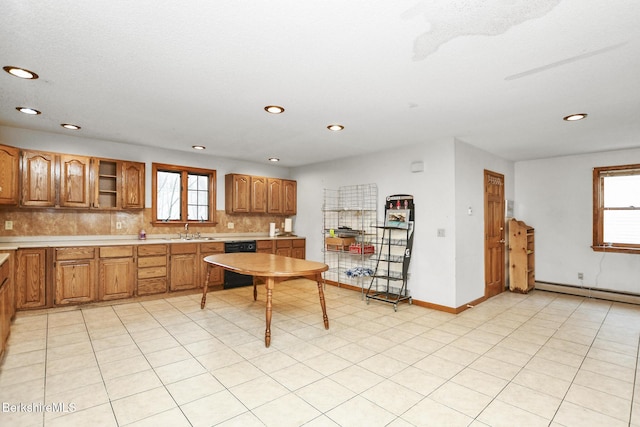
(583, 291)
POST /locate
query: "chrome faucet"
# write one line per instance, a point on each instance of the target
(186, 227)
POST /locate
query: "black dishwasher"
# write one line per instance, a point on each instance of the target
(233, 279)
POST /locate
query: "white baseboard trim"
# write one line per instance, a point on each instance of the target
(589, 292)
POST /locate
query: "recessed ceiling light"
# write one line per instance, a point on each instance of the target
(70, 126)
(198, 147)
(274, 159)
(575, 117)
(28, 110)
(335, 128)
(274, 109)
(20, 72)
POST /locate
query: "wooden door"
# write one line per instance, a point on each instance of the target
(237, 193)
(289, 197)
(258, 194)
(184, 272)
(38, 179)
(132, 185)
(494, 241)
(75, 281)
(30, 278)
(9, 169)
(116, 278)
(75, 181)
(274, 196)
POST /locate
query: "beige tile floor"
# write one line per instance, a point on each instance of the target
(527, 360)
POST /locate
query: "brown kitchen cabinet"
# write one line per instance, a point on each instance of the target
(115, 272)
(38, 179)
(237, 193)
(152, 271)
(117, 184)
(274, 196)
(133, 185)
(31, 278)
(9, 175)
(185, 266)
(260, 195)
(264, 246)
(75, 181)
(75, 275)
(7, 302)
(294, 248)
(289, 197)
(216, 274)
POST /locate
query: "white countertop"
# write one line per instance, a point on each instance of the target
(13, 243)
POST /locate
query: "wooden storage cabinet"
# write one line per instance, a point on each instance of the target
(264, 246)
(237, 193)
(75, 182)
(185, 266)
(216, 274)
(7, 302)
(38, 179)
(152, 269)
(75, 275)
(116, 272)
(521, 256)
(31, 278)
(291, 247)
(9, 173)
(117, 184)
(260, 195)
(133, 185)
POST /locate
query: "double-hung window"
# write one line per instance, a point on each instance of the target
(616, 208)
(183, 194)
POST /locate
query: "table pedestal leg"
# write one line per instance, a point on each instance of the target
(267, 333)
(318, 278)
(205, 288)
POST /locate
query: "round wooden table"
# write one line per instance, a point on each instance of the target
(274, 269)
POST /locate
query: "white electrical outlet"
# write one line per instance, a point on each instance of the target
(441, 232)
(580, 276)
(8, 225)
(230, 225)
(118, 225)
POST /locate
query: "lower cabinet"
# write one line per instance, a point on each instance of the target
(116, 272)
(264, 246)
(152, 269)
(216, 274)
(31, 278)
(75, 275)
(185, 266)
(7, 302)
(291, 247)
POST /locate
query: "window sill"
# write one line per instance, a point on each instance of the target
(181, 223)
(618, 249)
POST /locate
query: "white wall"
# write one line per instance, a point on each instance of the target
(448, 270)
(555, 197)
(469, 189)
(72, 144)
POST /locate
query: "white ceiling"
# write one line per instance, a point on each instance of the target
(497, 74)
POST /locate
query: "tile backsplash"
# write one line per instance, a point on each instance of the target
(38, 222)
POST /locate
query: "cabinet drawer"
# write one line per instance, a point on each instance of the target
(147, 273)
(264, 244)
(74, 253)
(146, 250)
(152, 261)
(116, 252)
(152, 286)
(184, 248)
(283, 243)
(212, 247)
(298, 243)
